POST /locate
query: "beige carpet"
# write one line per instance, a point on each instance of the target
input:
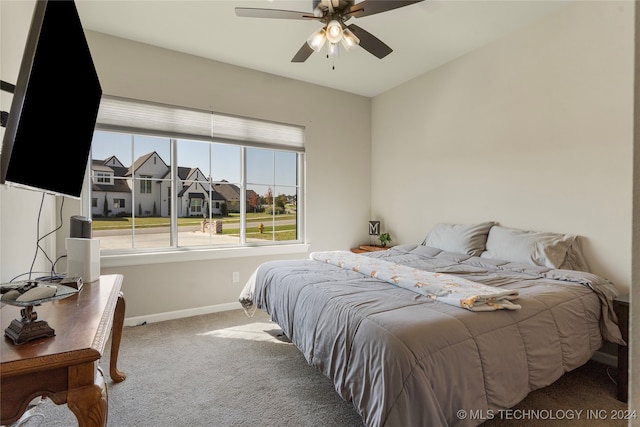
(226, 369)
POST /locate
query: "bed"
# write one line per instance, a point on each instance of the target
(443, 333)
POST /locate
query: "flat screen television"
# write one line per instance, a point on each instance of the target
(48, 134)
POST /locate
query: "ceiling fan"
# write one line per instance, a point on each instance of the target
(333, 14)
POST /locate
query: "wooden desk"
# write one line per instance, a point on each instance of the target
(65, 367)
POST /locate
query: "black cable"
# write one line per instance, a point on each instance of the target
(38, 235)
(39, 239)
(53, 273)
(53, 269)
(46, 273)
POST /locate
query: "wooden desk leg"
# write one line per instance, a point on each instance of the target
(90, 403)
(116, 337)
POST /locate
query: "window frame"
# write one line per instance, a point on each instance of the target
(149, 255)
(119, 203)
(146, 183)
(104, 178)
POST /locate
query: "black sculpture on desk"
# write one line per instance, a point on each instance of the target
(28, 328)
(27, 295)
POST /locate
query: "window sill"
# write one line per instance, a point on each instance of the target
(184, 255)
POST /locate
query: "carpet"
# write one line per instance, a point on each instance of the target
(226, 369)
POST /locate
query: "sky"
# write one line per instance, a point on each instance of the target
(264, 167)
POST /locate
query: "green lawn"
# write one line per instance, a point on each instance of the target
(280, 235)
(116, 223)
(282, 232)
(230, 225)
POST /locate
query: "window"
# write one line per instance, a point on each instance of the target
(103, 178)
(145, 184)
(237, 184)
(195, 207)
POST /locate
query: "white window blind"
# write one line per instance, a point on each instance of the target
(133, 116)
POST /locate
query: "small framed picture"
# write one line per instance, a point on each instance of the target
(374, 228)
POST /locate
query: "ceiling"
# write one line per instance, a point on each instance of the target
(423, 36)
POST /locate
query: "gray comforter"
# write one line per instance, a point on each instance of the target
(404, 359)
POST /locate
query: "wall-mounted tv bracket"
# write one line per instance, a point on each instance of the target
(7, 87)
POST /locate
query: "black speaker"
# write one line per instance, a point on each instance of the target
(80, 227)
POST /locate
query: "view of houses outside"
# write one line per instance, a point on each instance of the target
(131, 195)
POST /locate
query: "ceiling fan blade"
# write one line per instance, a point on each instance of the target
(370, 43)
(371, 7)
(304, 52)
(248, 12)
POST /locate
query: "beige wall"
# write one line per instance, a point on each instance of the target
(19, 208)
(533, 130)
(337, 163)
(337, 160)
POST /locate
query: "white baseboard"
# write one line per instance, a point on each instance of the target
(178, 314)
(606, 358)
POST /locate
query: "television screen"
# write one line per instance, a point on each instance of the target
(53, 112)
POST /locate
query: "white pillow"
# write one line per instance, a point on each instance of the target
(529, 247)
(459, 238)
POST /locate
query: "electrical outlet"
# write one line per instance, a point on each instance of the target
(236, 277)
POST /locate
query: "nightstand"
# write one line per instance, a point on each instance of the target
(621, 307)
(369, 248)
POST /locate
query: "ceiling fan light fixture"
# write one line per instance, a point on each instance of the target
(334, 31)
(333, 14)
(349, 39)
(317, 40)
(333, 50)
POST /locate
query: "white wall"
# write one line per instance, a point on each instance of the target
(533, 130)
(19, 208)
(337, 161)
(337, 166)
